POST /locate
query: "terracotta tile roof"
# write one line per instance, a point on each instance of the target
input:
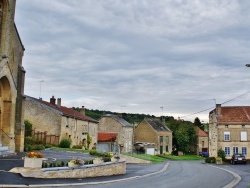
(106, 137)
(68, 112)
(200, 132)
(234, 114)
(157, 125)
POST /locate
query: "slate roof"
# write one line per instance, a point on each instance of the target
(234, 114)
(122, 121)
(157, 125)
(68, 112)
(106, 137)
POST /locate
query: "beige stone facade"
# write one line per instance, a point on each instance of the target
(124, 130)
(202, 140)
(11, 79)
(61, 121)
(229, 130)
(153, 131)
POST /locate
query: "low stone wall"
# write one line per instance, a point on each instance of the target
(105, 169)
(134, 160)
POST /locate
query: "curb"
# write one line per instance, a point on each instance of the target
(91, 183)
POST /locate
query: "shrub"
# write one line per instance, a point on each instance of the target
(94, 152)
(77, 147)
(221, 154)
(210, 160)
(65, 143)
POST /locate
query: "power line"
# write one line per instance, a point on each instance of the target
(230, 100)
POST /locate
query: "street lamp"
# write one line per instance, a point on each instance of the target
(247, 65)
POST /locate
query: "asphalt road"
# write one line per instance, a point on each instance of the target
(169, 174)
(188, 174)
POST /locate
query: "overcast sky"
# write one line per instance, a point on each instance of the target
(137, 56)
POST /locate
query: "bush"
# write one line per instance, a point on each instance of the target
(77, 147)
(221, 154)
(65, 143)
(210, 160)
(94, 152)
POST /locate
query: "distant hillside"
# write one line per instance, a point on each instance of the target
(129, 117)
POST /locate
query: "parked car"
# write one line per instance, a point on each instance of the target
(203, 154)
(238, 158)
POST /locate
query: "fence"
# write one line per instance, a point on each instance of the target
(45, 138)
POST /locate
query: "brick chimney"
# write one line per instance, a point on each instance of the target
(82, 110)
(218, 109)
(59, 102)
(53, 100)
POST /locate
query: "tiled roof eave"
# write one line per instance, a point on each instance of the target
(233, 123)
(78, 118)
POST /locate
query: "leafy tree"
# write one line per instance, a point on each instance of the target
(198, 123)
(221, 154)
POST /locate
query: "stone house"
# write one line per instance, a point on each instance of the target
(202, 140)
(124, 131)
(229, 130)
(11, 80)
(60, 120)
(154, 131)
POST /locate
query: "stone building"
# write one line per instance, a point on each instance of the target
(59, 120)
(123, 130)
(202, 140)
(11, 79)
(154, 131)
(229, 130)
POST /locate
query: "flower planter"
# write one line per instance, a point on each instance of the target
(113, 159)
(33, 162)
(73, 165)
(97, 161)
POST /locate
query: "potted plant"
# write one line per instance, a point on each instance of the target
(97, 160)
(73, 163)
(34, 159)
(115, 157)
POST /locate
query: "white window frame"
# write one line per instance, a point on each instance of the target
(226, 136)
(244, 152)
(235, 150)
(243, 136)
(227, 151)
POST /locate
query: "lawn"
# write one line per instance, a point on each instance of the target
(161, 158)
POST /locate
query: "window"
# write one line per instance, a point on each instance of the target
(167, 139)
(167, 149)
(226, 136)
(227, 150)
(244, 150)
(161, 139)
(235, 150)
(243, 136)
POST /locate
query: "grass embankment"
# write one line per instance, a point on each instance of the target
(69, 149)
(161, 158)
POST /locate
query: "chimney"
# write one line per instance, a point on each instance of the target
(218, 110)
(53, 100)
(163, 120)
(82, 110)
(59, 102)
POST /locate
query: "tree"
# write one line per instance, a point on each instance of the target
(198, 123)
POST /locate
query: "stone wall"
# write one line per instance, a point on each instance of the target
(106, 169)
